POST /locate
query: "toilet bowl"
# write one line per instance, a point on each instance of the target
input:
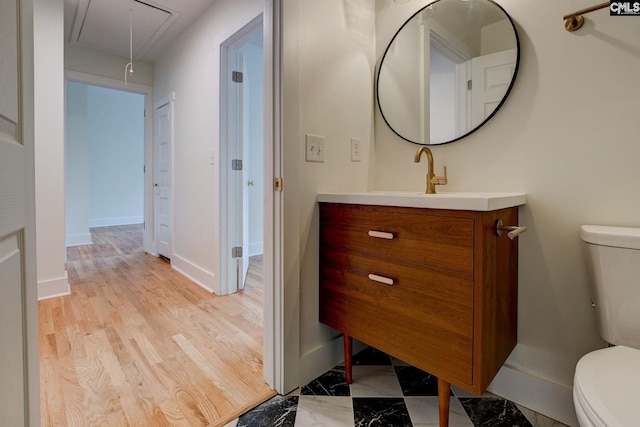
(606, 387)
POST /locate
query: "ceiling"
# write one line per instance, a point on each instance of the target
(466, 18)
(104, 24)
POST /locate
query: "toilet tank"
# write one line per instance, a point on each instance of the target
(613, 263)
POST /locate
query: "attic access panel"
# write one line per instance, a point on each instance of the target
(104, 25)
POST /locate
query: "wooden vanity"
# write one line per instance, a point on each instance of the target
(436, 288)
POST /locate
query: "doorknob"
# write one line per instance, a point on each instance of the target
(155, 184)
(250, 183)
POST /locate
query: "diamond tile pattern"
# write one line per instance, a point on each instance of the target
(385, 393)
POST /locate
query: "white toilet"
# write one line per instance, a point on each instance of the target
(606, 387)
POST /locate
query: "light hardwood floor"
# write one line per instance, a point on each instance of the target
(138, 344)
(108, 242)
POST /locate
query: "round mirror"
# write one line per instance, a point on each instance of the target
(447, 70)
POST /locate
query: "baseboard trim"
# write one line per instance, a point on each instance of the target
(323, 358)
(256, 249)
(535, 393)
(198, 275)
(54, 288)
(78, 239)
(110, 222)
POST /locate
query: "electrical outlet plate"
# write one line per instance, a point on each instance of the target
(315, 148)
(356, 149)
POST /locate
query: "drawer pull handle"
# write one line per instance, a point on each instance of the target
(381, 235)
(381, 279)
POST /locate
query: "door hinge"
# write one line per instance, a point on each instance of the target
(469, 84)
(277, 183)
(236, 164)
(236, 252)
(236, 76)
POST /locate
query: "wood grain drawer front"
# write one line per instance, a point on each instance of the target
(417, 237)
(425, 318)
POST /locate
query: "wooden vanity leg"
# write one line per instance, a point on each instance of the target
(347, 358)
(444, 393)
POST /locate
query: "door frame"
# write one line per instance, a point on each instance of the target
(280, 346)
(280, 323)
(148, 239)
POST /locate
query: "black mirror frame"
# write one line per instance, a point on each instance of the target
(489, 117)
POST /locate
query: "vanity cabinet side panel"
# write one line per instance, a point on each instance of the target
(496, 298)
(321, 263)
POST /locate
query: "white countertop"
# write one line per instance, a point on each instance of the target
(455, 200)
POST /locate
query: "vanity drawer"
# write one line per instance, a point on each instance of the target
(411, 235)
(426, 314)
(431, 293)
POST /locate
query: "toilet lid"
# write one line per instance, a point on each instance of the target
(607, 385)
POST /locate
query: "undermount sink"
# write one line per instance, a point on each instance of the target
(470, 201)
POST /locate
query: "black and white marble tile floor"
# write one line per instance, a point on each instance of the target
(385, 393)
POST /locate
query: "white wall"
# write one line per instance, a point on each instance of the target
(49, 147)
(191, 69)
(76, 165)
(104, 146)
(136, 91)
(329, 68)
(568, 137)
(115, 137)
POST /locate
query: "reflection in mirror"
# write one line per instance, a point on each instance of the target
(447, 70)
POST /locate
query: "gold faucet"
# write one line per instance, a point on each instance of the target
(432, 179)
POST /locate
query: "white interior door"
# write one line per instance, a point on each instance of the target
(234, 158)
(491, 77)
(163, 140)
(235, 176)
(16, 263)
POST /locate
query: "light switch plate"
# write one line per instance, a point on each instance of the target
(315, 148)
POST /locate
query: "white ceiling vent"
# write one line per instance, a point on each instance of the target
(104, 25)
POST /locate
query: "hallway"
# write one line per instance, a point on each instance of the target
(138, 344)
